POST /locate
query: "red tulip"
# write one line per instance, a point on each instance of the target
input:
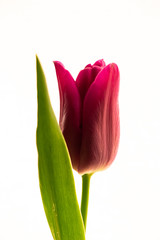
(89, 115)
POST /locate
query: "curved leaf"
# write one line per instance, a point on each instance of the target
(55, 171)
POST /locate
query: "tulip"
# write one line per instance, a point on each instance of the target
(89, 115)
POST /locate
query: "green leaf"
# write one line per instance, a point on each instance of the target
(55, 171)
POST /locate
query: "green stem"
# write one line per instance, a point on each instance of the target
(85, 197)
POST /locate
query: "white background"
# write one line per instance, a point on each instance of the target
(124, 199)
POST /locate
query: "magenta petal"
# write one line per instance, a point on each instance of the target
(85, 79)
(70, 109)
(101, 63)
(100, 124)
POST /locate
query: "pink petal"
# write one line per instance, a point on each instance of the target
(85, 79)
(101, 63)
(100, 136)
(70, 110)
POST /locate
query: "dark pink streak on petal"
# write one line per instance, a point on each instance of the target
(70, 108)
(100, 136)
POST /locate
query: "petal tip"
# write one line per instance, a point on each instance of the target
(114, 66)
(58, 64)
(100, 63)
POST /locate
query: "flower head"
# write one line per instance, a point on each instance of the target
(89, 115)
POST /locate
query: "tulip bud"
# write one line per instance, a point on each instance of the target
(89, 115)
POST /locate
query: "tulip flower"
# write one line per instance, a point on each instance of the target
(89, 115)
